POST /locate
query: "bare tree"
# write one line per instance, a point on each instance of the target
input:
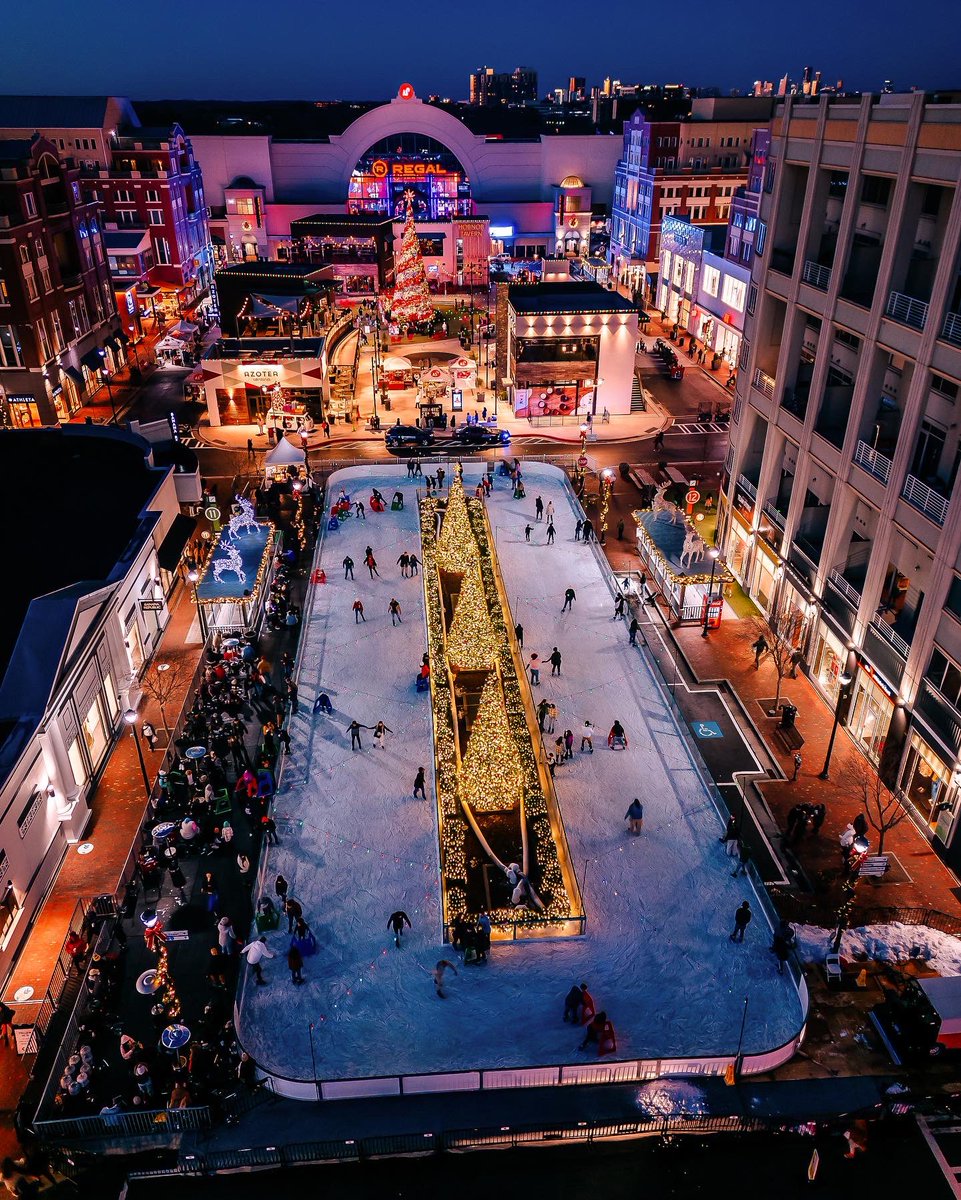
(161, 683)
(881, 806)
(777, 629)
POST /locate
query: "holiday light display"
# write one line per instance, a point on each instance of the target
(165, 985)
(456, 548)
(490, 775)
(471, 643)
(410, 303)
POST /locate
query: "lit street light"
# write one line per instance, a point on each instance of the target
(607, 486)
(131, 718)
(844, 680)
(715, 554)
(193, 576)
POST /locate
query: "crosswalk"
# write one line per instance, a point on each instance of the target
(698, 427)
(943, 1136)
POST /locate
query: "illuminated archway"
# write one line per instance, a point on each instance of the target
(410, 162)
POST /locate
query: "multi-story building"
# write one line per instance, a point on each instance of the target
(146, 180)
(741, 240)
(59, 331)
(840, 501)
(489, 87)
(686, 168)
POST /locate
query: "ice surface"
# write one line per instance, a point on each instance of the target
(355, 845)
(894, 943)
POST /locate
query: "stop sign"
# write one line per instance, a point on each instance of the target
(582, 461)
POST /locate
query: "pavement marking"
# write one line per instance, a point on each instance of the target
(946, 1169)
(693, 427)
(707, 729)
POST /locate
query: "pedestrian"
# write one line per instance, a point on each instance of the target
(269, 826)
(542, 713)
(587, 735)
(560, 752)
(358, 607)
(420, 784)
(414, 563)
(442, 966)
(797, 766)
(742, 918)
(396, 922)
(295, 961)
(519, 634)
(355, 727)
(620, 531)
(281, 887)
(209, 889)
(404, 562)
(380, 735)
(149, 735)
(861, 825)
(326, 429)
(579, 525)
(294, 913)
(551, 716)
(293, 695)
(440, 476)
(635, 817)
(394, 609)
(255, 952)
(226, 937)
(323, 705)
(759, 647)
(659, 440)
(539, 509)
(569, 598)
(730, 831)
(587, 531)
(348, 567)
(796, 657)
(371, 564)
(528, 529)
(632, 631)
(550, 533)
(574, 1003)
(817, 818)
(534, 666)
(250, 449)
(550, 511)
(619, 606)
(555, 661)
(743, 856)
(243, 868)
(568, 743)
(360, 511)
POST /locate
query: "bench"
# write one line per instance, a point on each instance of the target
(677, 476)
(874, 864)
(790, 739)
(641, 478)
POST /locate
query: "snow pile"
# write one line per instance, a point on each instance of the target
(894, 943)
(671, 1098)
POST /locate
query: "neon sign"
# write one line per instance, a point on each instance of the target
(380, 169)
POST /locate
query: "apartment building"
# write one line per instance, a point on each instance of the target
(839, 509)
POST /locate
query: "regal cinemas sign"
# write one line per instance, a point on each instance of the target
(408, 171)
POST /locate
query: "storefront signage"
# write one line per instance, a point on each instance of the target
(21, 398)
(261, 372)
(501, 231)
(380, 169)
(457, 400)
(152, 605)
(212, 513)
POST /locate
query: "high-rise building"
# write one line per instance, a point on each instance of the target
(576, 86)
(839, 510)
(490, 87)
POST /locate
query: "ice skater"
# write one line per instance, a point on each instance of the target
(519, 634)
(380, 735)
(355, 727)
(635, 817)
(619, 607)
(358, 607)
(555, 661)
(550, 533)
(371, 564)
(394, 609)
(255, 952)
(348, 567)
(538, 509)
(574, 1003)
(438, 974)
(569, 597)
(419, 784)
(404, 561)
(577, 529)
(528, 530)
(396, 922)
(323, 705)
(632, 632)
(742, 918)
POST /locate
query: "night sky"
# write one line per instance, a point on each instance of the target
(292, 49)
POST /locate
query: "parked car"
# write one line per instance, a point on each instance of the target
(409, 438)
(480, 435)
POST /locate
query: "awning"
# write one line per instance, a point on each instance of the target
(123, 336)
(92, 360)
(172, 547)
(75, 374)
(113, 342)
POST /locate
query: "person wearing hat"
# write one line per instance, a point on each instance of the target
(129, 1048)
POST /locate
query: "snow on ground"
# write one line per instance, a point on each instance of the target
(355, 845)
(894, 943)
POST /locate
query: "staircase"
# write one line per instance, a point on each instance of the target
(638, 403)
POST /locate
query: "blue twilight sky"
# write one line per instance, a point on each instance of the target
(298, 49)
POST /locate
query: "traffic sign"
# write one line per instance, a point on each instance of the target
(212, 513)
(582, 461)
(692, 496)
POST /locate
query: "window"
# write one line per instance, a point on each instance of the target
(24, 253)
(43, 339)
(875, 189)
(29, 811)
(123, 196)
(45, 279)
(155, 216)
(760, 237)
(689, 278)
(752, 298)
(126, 216)
(31, 285)
(57, 331)
(678, 271)
(750, 224)
(75, 328)
(77, 762)
(769, 176)
(666, 264)
(939, 384)
(746, 251)
(734, 292)
(163, 251)
(153, 196)
(711, 280)
(944, 675)
(847, 339)
(82, 313)
(29, 204)
(953, 601)
(246, 206)
(9, 347)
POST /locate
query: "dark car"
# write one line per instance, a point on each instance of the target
(480, 435)
(409, 438)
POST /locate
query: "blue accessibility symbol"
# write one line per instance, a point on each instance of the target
(707, 729)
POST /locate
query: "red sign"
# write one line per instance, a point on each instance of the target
(712, 609)
(582, 461)
(692, 496)
(405, 91)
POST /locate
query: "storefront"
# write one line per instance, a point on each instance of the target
(282, 390)
(926, 784)
(871, 713)
(828, 662)
(763, 576)
(409, 164)
(738, 546)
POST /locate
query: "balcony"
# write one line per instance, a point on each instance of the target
(746, 486)
(951, 329)
(884, 630)
(764, 383)
(783, 260)
(906, 310)
(816, 275)
(873, 462)
(925, 500)
(840, 584)
(773, 515)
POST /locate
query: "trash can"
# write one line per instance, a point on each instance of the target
(788, 715)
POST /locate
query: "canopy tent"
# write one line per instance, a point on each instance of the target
(184, 329)
(170, 345)
(435, 375)
(462, 364)
(397, 362)
(263, 307)
(285, 454)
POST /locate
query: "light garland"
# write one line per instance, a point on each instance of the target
(721, 573)
(456, 547)
(165, 984)
(411, 302)
(491, 779)
(471, 642)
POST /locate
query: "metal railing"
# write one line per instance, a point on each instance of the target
(893, 639)
(951, 328)
(907, 310)
(875, 463)
(775, 515)
(764, 383)
(745, 485)
(840, 584)
(925, 499)
(816, 275)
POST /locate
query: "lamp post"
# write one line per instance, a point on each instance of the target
(583, 432)
(607, 486)
(131, 718)
(715, 554)
(105, 374)
(194, 576)
(844, 680)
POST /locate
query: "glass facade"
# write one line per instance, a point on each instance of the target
(410, 162)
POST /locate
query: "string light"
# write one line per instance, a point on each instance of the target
(456, 547)
(410, 303)
(471, 642)
(491, 779)
(165, 984)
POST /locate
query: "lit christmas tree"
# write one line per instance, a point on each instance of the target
(411, 302)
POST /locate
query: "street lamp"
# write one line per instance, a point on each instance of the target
(131, 718)
(193, 575)
(106, 378)
(607, 486)
(844, 680)
(714, 554)
(583, 433)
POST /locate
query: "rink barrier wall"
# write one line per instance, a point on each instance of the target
(573, 1074)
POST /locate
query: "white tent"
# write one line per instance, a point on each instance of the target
(397, 362)
(285, 454)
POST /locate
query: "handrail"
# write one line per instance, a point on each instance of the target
(875, 463)
(816, 275)
(925, 499)
(907, 310)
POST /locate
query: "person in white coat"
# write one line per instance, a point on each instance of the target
(255, 952)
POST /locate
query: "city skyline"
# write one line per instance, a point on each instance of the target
(328, 60)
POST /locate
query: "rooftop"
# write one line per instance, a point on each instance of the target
(572, 296)
(61, 112)
(267, 349)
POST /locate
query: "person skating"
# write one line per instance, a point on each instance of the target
(380, 735)
(587, 531)
(394, 609)
(619, 607)
(295, 961)
(255, 952)
(348, 567)
(550, 511)
(569, 597)
(574, 1003)
(414, 563)
(358, 607)
(568, 743)
(555, 661)
(420, 784)
(294, 913)
(730, 831)
(577, 529)
(635, 817)
(359, 509)
(396, 922)
(269, 827)
(592, 1035)
(441, 473)
(538, 509)
(742, 918)
(371, 564)
(404, 561)
(323, 705)
(355, 727)
(542, 713)
(632, 632)
(551, 716)
(528, 530)
(616, 734)
(438, 974)
(587, 737)
(534, 666)
(519, 634)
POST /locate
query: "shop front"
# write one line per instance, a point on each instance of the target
(284, 392)
(926, 783)
(764, 576)
(828, 662)
(871, 713)
(738, 546)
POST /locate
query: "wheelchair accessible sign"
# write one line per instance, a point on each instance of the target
(707, 729)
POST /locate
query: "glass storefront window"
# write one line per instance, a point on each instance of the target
(113, 706)
(829, 662)
(925, 783)
(24, 414)
(410, 162)
(77, 762)
(871, 718)
(134, 644)
(95, 732)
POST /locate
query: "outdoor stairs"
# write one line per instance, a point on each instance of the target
(638, 403)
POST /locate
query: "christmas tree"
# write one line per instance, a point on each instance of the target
(411, 301)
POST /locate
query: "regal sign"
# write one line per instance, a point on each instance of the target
(408, 171)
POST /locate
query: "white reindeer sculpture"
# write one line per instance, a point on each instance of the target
(694, 547)
(661, 505)
(229, 560)
(243, 521)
